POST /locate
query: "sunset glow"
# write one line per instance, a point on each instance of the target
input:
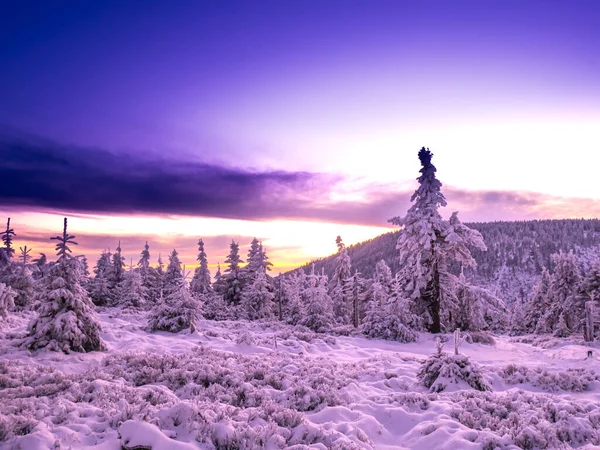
(292, 122)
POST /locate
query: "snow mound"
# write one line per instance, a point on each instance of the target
(138, 435)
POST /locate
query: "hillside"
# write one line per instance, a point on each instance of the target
(516, 253)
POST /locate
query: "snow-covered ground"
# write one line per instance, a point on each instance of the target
(235, 385)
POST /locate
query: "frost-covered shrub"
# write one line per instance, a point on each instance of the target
(573, 380)
(480, 337)
(219, 398)
(245, 338)
(441, 370)
(529, 420)
(390, 327)
(21, 283)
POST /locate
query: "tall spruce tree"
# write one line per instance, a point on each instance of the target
(179, 309)
(100, 287)
(566, 302)
(340, 287)
(116, 275)
(173, 276)
(537, 305)
(67, 321)
(233, 276)
(428, 244)
(318, 311)
(257, 299)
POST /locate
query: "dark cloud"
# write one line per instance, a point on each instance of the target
(40, 174)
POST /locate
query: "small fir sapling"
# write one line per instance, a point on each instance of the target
(441, 370)
(7, 237)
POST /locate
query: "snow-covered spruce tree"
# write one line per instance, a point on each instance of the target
(233, 276)
(293, 287)
(218, 284)
(7, 300)
(99, 286)
(257, 299)
(148, 276)
(359, 295)
(18, 277)
(14, 274)
(340, 286)
(318, 311)
(428, 244)
(173, 275)
(475, 309)
(214, 307)
(7, 237)
(85, 268)
(249, 272)
(67, 321)
(537, 305)
(200, 284)
(179, 309)
(257, 261)
(20, 281)
(388, 314)
(516, 318)
(566, 310)
(41, 266)
(591, 281)
(131, 290)
(116, 275)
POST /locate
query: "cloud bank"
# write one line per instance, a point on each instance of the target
(36, 174)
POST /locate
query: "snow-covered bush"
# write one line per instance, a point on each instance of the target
(389, 327)
(528, 420)
(442, 370)
(217, 398)
(480, 337)
(7, 300)
(572, 380)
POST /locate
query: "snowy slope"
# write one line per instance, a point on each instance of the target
(258, 385)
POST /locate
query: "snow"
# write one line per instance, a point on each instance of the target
(238, 384)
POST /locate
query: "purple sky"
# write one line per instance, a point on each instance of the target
(299, 110)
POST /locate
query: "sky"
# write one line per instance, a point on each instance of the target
(293, 122)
